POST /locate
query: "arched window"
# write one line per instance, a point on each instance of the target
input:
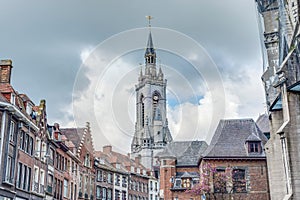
(142, 110)
(155, 99)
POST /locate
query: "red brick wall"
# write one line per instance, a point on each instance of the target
(258, 178)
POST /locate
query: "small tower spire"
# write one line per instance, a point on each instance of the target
(150, 55)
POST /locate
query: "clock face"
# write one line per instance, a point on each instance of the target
(155, 97)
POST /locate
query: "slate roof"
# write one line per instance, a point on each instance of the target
(230, 139)
(73, 134)
(187, 153)
(263, 123)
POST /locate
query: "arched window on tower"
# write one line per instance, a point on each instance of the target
(142, 110)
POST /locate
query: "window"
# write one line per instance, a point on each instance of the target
(124, 181)
(37, 147)
(123, 195)
(9, 172)
(99, 175)
(44, 151)
(109, 178)
(220, 181)
(23, 177)
(117, 195)
(50, 183)
(98, 192)
(109, 194)
(117, 180)
(66, 185)
(239, 180)
(104, 193)
(142, 111)
(87, 160)
(13, 99)
(12, 131)
(186, 183)
(28, 108)
(254, 147)
(177, 183)
(19, 176)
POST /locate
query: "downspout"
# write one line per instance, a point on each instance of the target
(280, 131)
(2, 133)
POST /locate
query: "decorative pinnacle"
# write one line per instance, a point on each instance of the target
(149, 20)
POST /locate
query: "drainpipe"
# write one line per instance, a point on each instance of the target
(280, 131)
(2, 132)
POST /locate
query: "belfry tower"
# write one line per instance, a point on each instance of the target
(151, 127)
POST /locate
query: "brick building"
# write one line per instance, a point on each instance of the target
(179, 168)
(237, 147)
(20, 126)
(83, 148)
(130, 178)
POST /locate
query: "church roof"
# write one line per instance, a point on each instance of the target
(187, 153)
(230, 139)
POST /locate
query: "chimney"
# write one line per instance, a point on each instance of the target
(107, 149)
(5, 71)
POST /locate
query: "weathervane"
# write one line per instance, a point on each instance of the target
(149, 20)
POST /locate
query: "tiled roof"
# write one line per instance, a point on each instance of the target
(263, 123)
(124, 161)
(187, 153)
(230, 139)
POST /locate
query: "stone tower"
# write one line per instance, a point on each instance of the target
(151, 127)
(281, 78)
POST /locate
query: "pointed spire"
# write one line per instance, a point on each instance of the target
(150, 47)
(150, 56)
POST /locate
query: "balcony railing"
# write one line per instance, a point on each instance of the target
(42, 188)
(36, 187)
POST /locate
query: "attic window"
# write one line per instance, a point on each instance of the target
(254, 147)
(28, 108)
(13, 99)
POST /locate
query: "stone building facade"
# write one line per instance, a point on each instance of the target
(279, 20)
(151, 127)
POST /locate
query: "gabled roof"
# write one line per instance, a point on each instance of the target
(186, 153)
(74, 134)
(230, 139)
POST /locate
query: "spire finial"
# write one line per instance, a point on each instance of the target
(149, 17)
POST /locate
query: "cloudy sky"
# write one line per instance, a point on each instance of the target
(84, 58)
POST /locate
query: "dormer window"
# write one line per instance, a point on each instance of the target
(186, 183)
(13, 98)
(28, 108)
(254, 147)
